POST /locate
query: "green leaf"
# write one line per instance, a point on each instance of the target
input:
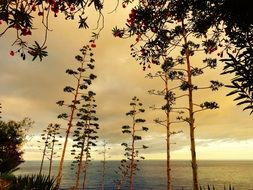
(37, 51)
(83, 22)
(248, 107)
(233, 92)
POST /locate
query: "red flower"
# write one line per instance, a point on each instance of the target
(12, 53)
(55, 9)
(26, 32)
(16, 26)
(52, 2)
(33, 8)
(29, 32)
(93, 45)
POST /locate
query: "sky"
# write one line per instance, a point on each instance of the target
(30, 89)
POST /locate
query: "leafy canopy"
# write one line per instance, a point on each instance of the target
(20, 15)
(12, 137)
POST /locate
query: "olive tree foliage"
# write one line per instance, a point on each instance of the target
(20, 15)
(12, 137)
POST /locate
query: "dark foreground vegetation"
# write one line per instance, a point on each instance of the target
(217, 30)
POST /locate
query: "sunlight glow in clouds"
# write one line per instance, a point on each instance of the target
(213, 150)
(32, 88)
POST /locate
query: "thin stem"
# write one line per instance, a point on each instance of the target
(169, 186)
(51, 156)
(132, 153)
(191, 117)
(70, 125)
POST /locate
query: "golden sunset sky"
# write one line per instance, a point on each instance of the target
(30, 89)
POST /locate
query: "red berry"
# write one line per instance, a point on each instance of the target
(154, 61)
(16, 26)
(55, 10)
(24, 32)
(52, 2)
(143, 52)
(93, 45)
(62, 8)
(12, 53)
(40, 13)
(33, 8)
(29, 32)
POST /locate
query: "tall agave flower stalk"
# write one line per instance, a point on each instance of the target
(84, 136)
(165, 28)
(50, 138)
(129, 165)
(83, 79)
(166, 75)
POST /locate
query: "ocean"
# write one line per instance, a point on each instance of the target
(152, 174)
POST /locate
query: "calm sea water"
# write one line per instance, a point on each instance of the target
(152, 174)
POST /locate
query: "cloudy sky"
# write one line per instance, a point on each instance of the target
(30, 89)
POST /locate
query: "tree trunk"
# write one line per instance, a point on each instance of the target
(103, 169)
(103, 176)
(51, 157)
(132, 156)
(191, 116)
(59, 175)
(122, 179)
(169, 186)
(70, 125)
(85, 172)
(80, 165)
(43, 156)
(86, 159)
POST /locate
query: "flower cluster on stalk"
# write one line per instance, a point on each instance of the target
(85, 134)
(50, 138)
(81, 116)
